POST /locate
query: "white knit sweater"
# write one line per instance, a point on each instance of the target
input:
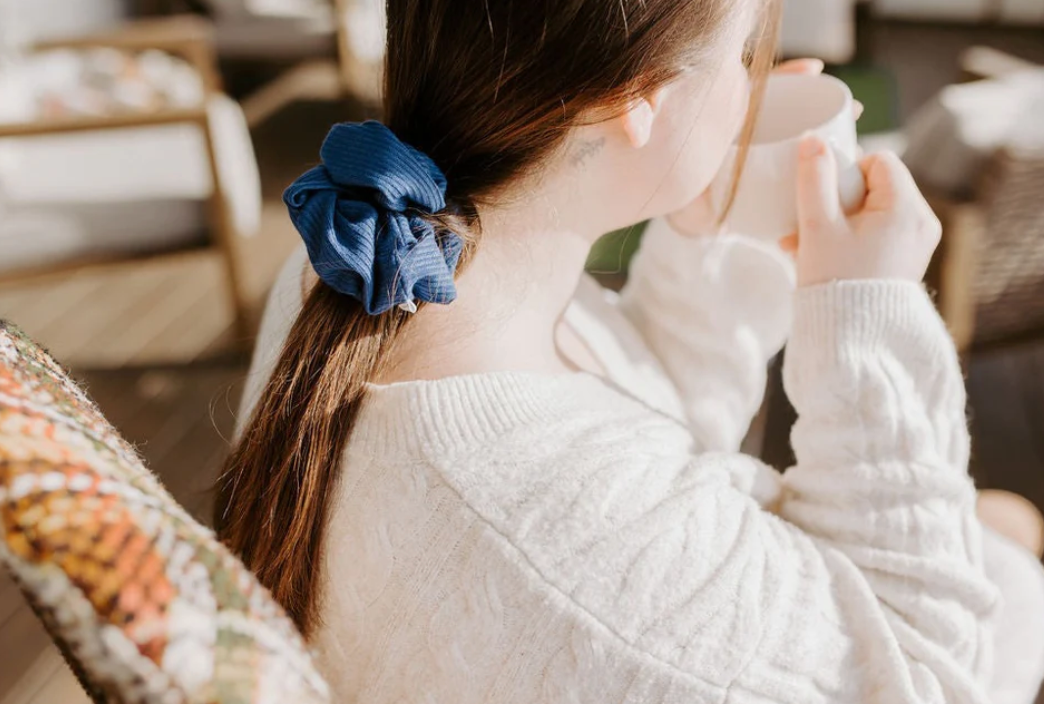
(517, 537)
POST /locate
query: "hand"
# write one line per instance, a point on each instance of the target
(892, 237)
(699, 217)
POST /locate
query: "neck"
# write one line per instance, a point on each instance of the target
(509, 303)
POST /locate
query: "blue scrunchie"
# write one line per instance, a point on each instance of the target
(357, 214)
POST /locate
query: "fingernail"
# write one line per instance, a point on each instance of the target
(812, 146)
(818, 64)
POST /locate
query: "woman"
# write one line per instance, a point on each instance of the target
(472, 476)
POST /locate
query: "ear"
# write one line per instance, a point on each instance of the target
(638, 121)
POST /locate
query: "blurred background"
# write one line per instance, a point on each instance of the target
(145, 144)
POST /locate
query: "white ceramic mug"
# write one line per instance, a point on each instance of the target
(766, 199)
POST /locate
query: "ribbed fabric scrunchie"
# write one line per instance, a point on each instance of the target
(357, 213)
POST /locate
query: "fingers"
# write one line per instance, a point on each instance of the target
(887, 179)
(789, 244)
(801, 67)
(892, 188)
(857, 110)
(819, 203)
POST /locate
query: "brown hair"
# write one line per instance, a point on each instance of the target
(488, 90)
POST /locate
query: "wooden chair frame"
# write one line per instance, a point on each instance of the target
(190, 38)
(321, 79)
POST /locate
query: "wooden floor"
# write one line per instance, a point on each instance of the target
(155, 348)
(159, 311)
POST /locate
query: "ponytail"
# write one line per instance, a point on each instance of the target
(274, 496)
(373, 217)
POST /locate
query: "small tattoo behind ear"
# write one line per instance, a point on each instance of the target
(587, 150)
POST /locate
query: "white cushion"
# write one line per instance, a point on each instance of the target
(61, 232)
(167, 162)
(109, 165)
(128, 190)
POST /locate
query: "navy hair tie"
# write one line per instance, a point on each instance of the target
(358, 215)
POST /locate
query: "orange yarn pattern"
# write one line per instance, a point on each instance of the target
(146, 604)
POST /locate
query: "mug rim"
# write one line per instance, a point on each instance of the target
(846, 107)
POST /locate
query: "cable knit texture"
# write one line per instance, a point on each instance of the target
(524, 538)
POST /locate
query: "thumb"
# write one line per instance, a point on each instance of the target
(819, 202)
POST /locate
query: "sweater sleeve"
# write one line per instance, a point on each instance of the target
(881, 482)
(714, 310)
(867, 587)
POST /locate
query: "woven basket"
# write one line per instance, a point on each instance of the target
(1009, 283)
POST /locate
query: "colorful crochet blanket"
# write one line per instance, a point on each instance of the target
(146, 605)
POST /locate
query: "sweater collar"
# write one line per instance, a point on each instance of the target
(423, 418)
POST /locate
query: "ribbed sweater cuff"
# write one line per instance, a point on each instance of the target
(841, 321)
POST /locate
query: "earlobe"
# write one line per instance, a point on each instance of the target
(638, 121)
